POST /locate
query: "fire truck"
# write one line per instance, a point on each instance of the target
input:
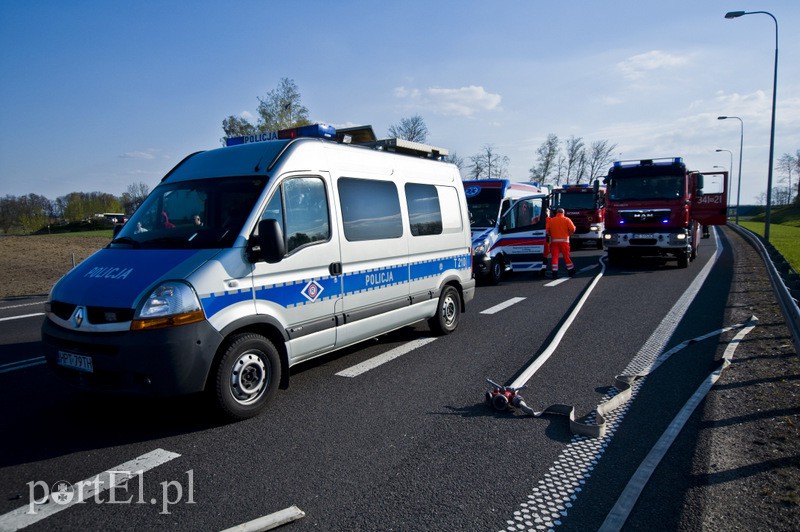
(584, 205)
(657, 207)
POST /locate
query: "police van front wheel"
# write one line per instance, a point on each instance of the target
(247, 375)
(448, 312)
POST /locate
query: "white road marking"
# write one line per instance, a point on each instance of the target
(32, 512)
(268, 522)
(24, 305)
(19, 364)
(504, 305)
(557, 491)
(22, 316)
(374, 362)
(619, 513)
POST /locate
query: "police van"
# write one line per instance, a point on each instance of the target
(508, 227)
(248, 259)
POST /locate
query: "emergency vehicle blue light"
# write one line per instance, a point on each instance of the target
(319, 131)
(665, 221)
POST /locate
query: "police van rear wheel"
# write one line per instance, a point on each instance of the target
(247, 375)
(448, 312)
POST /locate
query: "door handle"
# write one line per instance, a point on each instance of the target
(335, 268)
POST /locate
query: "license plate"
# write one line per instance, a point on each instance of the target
(645, 235)
(74, 361)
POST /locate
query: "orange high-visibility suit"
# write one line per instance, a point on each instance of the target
(560, 228)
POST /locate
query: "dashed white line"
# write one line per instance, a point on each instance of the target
(22, 316)
(23, 305)
(504, 305)
(374, 362)
(34, 512)
(268, 522)
(19, 364)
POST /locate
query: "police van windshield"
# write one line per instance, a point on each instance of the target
(484, 207)
(204, 213)
(646, 188)
(573, 201)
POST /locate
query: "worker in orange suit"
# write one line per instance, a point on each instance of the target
(559, 229)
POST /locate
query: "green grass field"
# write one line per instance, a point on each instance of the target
(785, 238)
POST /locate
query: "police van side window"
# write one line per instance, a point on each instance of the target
(301, 207)
(370, 209)
(424, 211)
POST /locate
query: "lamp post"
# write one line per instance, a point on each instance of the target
(730, 176)
(741, 145)
(737, 14)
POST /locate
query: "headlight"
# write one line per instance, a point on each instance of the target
(594, 228)
(169, 304)
(481, 248)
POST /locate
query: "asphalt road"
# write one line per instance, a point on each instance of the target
(408, 445)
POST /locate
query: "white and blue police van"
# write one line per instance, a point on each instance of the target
(248, 259)
(508, 227)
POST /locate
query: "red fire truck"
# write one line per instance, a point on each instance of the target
(584, 205)
(658, 207)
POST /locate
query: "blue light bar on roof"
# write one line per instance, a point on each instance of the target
(317, 131)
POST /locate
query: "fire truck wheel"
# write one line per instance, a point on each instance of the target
(496, 273)
(448, 312)
(683, 259)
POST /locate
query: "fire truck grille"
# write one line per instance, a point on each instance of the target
(644, 216)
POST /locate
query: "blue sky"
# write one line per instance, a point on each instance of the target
(98, 95)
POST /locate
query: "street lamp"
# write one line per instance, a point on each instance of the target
(741, 145)
(737, 14)
(730, 176)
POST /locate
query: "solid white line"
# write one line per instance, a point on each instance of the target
(19, 364)
(374, 362)
(268, 522)
(551, 348)
(32, 513)
(22, 316)
(619, 513)
(504, 305)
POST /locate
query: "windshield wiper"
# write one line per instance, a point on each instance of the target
(126, 240)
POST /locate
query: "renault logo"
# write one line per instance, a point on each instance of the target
(78, 318)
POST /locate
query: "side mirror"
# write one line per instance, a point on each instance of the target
(268, 246)
(117, 229)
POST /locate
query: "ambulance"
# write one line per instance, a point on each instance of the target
(508, 227)
(251, 258)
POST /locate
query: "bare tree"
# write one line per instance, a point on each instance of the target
(574, 147)
(134, 196)
(488, 164)
(546, 156)
(600, 157)
(457, 160)
(280, 109)
(413, 129)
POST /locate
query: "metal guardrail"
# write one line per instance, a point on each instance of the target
(785, 281)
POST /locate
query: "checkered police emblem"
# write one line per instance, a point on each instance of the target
(312, 290)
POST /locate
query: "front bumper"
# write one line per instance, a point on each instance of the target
(159, 362)
(673, 241)
(481, 264)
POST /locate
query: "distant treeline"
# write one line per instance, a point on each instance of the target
(33, 212)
